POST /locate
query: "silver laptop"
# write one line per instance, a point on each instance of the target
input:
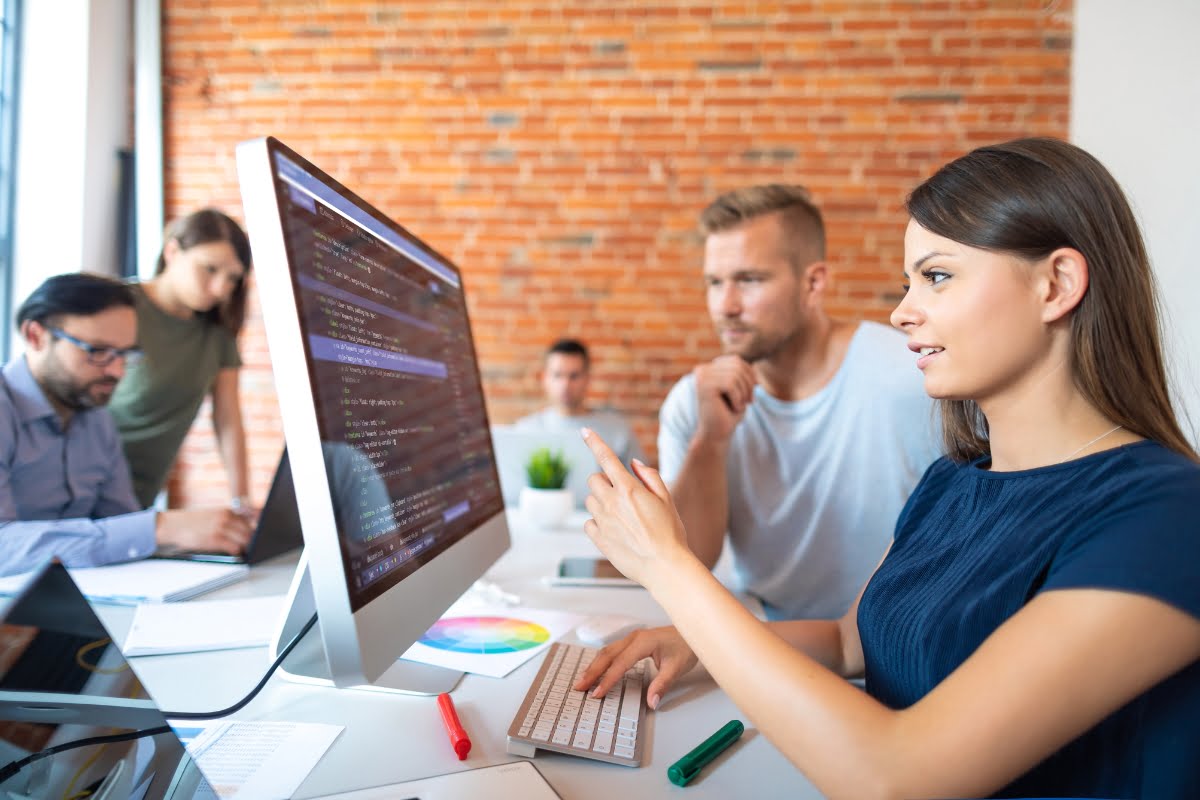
(513, 447)
(277, 532)
(64, 681)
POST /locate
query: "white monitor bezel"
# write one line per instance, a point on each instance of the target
(359, 646)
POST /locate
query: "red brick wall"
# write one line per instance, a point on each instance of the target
(560, 152)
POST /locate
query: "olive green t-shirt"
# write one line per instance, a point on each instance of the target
(157, 401)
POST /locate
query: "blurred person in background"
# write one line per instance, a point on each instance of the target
(189, 317)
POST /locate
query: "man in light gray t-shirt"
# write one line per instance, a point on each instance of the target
(804, 439)
(565, 377)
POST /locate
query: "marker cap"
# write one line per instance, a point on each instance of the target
(461, 748)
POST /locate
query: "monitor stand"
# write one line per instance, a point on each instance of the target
(307, 663)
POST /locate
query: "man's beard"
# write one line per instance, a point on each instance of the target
(760, 348)
(69, 392)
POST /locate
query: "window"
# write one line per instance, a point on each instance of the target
(10, 51)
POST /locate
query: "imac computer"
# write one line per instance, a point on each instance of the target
(383, 412)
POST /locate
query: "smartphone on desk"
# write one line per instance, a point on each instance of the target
(588, 571)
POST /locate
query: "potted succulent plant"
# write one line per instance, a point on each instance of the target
(545, 501)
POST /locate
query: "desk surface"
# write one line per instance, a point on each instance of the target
(391, 738)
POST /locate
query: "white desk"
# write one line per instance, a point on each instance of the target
(390, 738)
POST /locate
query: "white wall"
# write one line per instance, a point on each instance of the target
(74, 117)
(49, 196)
(1135, 105)
(107, 132)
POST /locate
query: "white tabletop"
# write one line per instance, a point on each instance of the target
(391, 738)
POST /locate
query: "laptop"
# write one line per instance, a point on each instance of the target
(513, 447)
(277, 532)
(62, 680)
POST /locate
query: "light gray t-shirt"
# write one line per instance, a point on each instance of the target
(815, 486)
(611, 426)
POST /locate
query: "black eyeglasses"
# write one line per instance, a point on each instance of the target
(100, 356)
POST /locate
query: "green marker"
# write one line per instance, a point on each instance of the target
(690, 765)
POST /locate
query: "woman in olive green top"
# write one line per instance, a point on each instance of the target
(189, 315)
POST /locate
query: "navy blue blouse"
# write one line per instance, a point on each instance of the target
(972, 547)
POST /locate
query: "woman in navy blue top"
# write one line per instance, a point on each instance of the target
(1034, 629)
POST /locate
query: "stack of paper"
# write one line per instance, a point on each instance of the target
(202, 625)
(149, 581)
(256, 759)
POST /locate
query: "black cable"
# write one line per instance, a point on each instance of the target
(224, 712)
(13, 767)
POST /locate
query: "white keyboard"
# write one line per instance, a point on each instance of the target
(553, 716)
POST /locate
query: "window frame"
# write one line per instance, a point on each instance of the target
(10, 61)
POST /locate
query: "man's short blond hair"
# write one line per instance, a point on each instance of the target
(799, 216)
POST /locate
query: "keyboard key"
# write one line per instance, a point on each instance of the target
(631, 705)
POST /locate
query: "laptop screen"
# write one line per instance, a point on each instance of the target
(63, 679)
(514, 446)
(277, 531)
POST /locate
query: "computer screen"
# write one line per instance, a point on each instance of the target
(382, 406)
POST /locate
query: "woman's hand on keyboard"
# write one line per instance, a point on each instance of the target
(634, 521)
(670, 652)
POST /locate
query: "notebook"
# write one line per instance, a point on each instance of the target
(160, 628)
(147, 581)
(62, 679)
(277, 532)
(513, 447)
(519, 779)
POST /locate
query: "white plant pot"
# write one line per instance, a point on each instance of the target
(546, 508)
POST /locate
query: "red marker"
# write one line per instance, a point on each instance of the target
(458, 737)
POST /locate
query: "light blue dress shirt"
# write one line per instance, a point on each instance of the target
(64, 493)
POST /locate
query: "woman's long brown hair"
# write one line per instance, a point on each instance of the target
(1028, 198)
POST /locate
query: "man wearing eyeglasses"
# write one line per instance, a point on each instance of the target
(65, 489)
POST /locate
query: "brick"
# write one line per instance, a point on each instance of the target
(560, 153)
(729, 66)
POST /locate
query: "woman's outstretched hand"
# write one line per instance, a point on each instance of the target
(634, 522)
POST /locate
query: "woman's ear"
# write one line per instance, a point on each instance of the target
(1066, 279)
(171, 250)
